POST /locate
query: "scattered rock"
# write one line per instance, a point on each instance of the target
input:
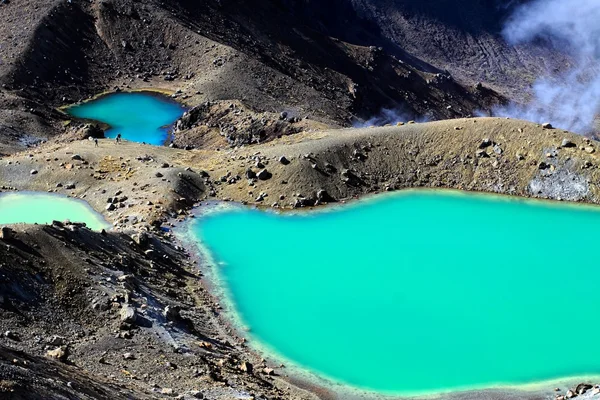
(358, 155)
(323, 196)
(172, 313)
(158, 175)
(6, 233)
(246, 367)
(11, 335)
(582, 388)
(284, 160)
(128, 356)
(485, 143)
(125, 278)
(481, 153)
(57, 341)
(33, 172)
(547, 125)
(128, 314)
(168, 392)
(330, 168)
(263, 175)
(589, 149)
(171, 365)
(250, 174)
(141, 239)
(60, 353)
(349, 177)
(542, 165)
(567, 143)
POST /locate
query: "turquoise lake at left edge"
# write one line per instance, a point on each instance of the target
(43, 208)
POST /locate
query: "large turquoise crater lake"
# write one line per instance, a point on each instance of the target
(143, 117)
(416, 292)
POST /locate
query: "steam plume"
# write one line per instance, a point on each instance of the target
(389, 116)
(570, 99)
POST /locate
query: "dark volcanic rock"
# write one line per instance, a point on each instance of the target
(263, 175)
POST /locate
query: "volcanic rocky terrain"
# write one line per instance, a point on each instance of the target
(281, 97)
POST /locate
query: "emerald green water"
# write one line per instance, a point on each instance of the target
(42, 208)
(139, 117)
(418, 292)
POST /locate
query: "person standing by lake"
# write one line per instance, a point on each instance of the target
(118, 140)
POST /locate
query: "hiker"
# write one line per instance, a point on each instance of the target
(96, 142)
(118, 138)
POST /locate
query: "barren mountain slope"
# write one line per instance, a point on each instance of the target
(463, 37)
(272, 56)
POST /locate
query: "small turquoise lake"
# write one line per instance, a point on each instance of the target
(42, 208)
(142, 117)
(416, 292)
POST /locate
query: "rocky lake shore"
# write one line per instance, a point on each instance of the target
(126, 313)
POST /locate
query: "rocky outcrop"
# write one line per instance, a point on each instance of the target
(236, 124)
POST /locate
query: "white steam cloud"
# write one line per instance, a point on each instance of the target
(389, 116)
(570, 99)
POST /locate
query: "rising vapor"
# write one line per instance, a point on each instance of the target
(571, 99)
(388, 116)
